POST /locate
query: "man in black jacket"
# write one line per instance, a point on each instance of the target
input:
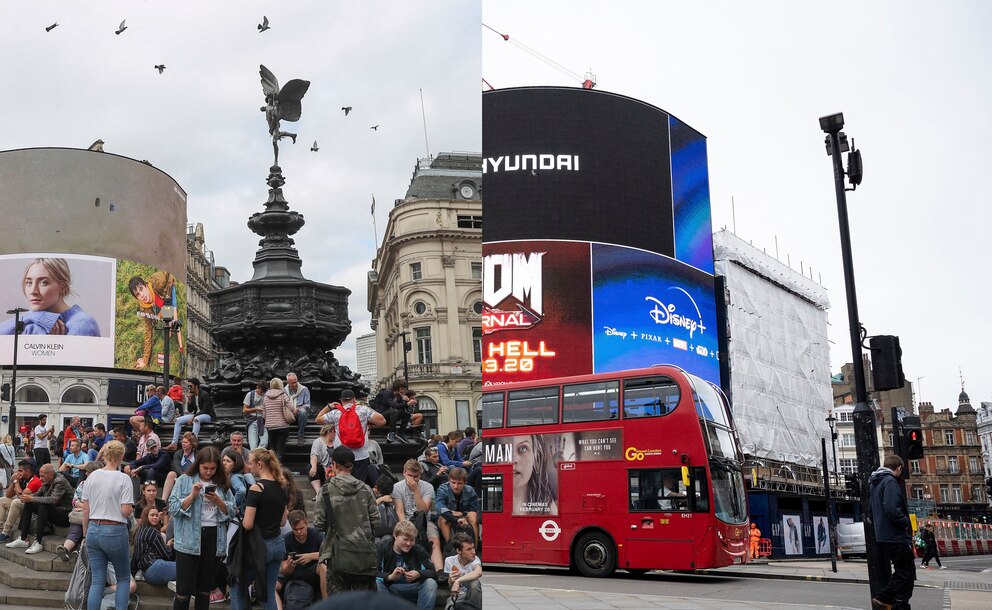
(51, 503)
(893, 534)
(405, 568)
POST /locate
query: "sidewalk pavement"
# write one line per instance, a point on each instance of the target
(508, 597)
(965, 590)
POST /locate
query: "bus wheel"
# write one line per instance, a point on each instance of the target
(595, 555)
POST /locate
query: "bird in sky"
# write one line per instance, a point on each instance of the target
(374, 128)
(121, 28)
(314, 148)
(160, 68)
(264, 25)
(346, 109)
(96, 146)
(52, 27)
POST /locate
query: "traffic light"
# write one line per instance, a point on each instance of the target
(886, 363)
(853, 486)
(5, 392)
(913, 434)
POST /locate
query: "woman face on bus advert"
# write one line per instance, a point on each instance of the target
(523, 465)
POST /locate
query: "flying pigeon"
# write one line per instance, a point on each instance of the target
(52, 27)
(314, 147)
(160, 68)
(96, 146)
(121, 28)
(264, 25)
(346, 109)
(374, 128)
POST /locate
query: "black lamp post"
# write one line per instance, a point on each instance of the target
(12, 425)
(168, 313)
(406, 348)
(865, 438)
(832, 422)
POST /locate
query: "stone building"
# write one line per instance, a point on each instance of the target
(425, 291)
(984, 419)
(203, 276)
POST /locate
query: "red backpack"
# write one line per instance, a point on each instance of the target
(350, 429)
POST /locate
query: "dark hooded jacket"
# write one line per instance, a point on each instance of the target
(889, 511)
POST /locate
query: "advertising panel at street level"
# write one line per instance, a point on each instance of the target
(560, 308)
(90, 311)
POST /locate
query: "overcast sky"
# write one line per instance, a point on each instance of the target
(914, 81)
(200, 122)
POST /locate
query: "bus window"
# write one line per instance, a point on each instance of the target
(650, 397)
(729, 499)
(658, 489)
(532, 407)
(492, 410)
(700, 491)
(590, 401)
(492, 493)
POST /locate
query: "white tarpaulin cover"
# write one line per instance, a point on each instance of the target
(778, 353)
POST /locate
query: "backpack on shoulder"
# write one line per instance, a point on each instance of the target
(350, 429)
(348, 556)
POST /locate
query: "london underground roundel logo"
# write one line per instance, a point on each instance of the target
(549, 530)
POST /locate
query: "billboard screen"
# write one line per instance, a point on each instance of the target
(558, 309)
(597, 244)
(93, 245)
(82, 310)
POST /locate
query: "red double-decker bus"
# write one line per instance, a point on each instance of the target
(637, 470)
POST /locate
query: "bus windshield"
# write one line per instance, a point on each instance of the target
(729, 501)
(714, 419)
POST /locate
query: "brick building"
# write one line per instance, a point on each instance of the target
(951, 474)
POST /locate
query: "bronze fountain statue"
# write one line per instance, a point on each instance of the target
(281, 105)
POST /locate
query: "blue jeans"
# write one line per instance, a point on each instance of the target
(424, 593)
(108, 544)
(301, 419)
(275, 552)
(161, 572)
(185, 419)
(254, 439)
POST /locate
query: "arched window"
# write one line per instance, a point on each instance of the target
(31, 393)
(79, 394)
(428, 407)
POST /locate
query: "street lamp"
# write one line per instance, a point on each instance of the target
(832, 422)
(18, 326)
(406, 347)
(168, 313)
(865, 439)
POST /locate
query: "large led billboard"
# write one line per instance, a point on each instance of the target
(560, 308)
(597, 247)
(83, 310)
(94, 247)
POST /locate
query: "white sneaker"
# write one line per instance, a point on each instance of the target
(20, 543)
(140, 576)
(35, 548)
(943, 567)
(172, 585)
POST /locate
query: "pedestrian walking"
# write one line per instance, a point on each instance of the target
(108, 501)
(930, 550)
(893, 535)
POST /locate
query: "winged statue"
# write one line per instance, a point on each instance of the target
(281, 105)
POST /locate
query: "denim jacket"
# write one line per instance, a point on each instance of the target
(187, 522)
(445, 501)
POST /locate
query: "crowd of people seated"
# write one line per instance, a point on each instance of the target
(217, 524)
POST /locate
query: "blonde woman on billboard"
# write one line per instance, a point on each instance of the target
(46, 284)
(151, 295)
